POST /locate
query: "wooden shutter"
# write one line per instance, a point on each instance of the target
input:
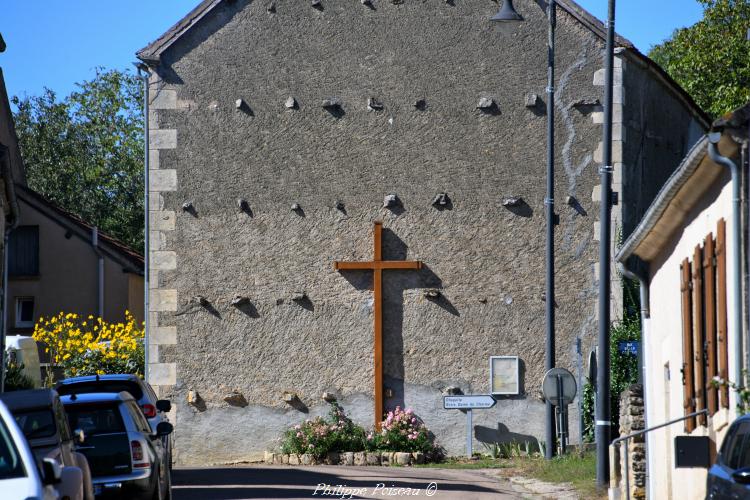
(687, 346)
(721, 313)
(698, 371)
(709, 299)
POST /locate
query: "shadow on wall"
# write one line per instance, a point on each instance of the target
(503, 435)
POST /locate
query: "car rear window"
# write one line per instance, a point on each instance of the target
(11, 465)
(95, 419)
(36, 424)
(101, 386)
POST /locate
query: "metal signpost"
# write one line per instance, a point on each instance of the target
(468, 403)
(559, 389)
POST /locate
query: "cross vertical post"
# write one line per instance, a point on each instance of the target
(377, 265)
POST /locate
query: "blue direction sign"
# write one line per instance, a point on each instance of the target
(468, 402)
(628, 347)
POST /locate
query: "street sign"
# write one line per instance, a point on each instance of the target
(555, 392)
(559, 389)
(468, 402)
(630, 347)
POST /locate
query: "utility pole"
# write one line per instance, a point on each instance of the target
(549, 204)
(603, 410)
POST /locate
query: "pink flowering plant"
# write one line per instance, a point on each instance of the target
(402, 430)
(319, 436)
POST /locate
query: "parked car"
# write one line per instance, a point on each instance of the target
(20, 479)
(154, 409)
(41, 417)
(23, 350)
(127, 458)
(729, 477)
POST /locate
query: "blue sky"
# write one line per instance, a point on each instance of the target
(56, 43)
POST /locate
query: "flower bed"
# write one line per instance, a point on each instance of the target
(336, 440)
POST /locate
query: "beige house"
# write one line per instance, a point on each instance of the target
(58, 262)
(691, 252)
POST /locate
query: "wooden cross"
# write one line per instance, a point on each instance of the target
(377, 265)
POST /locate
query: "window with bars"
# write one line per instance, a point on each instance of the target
(703, 286)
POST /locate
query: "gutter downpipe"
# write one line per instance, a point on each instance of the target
(99, 273)
(645, 296)
(144, 73)
(713, 153)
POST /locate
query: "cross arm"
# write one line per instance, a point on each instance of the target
(378, 264)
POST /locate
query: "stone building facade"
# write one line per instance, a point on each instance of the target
(432, 98)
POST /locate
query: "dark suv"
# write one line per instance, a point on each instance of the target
(154, 409)
(127, 459)
(729, 477)
(41, 417)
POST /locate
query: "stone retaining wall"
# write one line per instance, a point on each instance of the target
(632, 419)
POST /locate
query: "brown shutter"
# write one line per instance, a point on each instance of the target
(721, 305)
(709, 299)
(698, 372)
(687, 346)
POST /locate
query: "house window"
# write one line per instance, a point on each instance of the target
(24, 312)
(23, 251)
(704, 327)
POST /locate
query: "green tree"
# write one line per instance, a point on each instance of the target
(711, 59)
(85, 152)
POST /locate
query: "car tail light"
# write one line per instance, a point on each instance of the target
(149, 410)
(136, 452)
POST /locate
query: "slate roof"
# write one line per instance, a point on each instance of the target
(109, 245)
(151, 54)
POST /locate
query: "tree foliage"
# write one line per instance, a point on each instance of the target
(710, 59)
(85, 152)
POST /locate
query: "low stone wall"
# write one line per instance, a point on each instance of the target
(632, 419)
(349, 458)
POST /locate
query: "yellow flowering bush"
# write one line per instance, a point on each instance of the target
(89, 345)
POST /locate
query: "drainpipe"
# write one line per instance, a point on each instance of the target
(4, 317)
(713, 153)
(144, 74)
(99, 273)
(642, 278)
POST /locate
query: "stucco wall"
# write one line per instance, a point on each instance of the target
(664, 354)
(67, 278)
(486, 259)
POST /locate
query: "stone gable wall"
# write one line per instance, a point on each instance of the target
(486, 259)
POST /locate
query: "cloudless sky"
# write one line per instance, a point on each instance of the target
(56, 43)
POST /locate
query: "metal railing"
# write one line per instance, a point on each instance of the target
(625, 440)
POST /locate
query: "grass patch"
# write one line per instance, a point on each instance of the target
(580, 471)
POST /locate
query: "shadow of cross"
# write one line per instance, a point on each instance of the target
(377, 265)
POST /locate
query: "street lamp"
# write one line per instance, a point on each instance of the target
(508, 13)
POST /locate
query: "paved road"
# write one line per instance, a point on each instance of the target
(261, 481)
